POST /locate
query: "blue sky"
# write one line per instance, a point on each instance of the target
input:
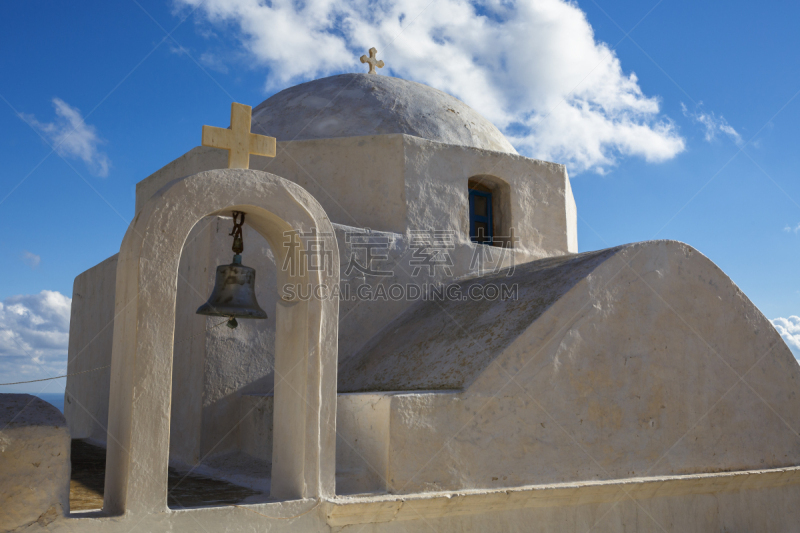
(715, 96)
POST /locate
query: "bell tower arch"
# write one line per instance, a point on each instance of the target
(305, 345)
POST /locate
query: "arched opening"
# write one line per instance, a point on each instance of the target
(489, 211)
(222, 378)
(303, 449)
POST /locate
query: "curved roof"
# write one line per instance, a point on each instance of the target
(352, 105)
(425, 349)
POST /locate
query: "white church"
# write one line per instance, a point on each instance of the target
(436, 354)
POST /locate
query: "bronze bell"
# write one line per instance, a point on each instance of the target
(234, 293)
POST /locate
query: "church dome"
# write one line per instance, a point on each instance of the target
(351, 105)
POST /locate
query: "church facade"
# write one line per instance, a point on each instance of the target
(437, 354)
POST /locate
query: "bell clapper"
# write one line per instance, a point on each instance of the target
(232, 323)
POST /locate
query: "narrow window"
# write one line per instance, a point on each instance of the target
(480, 216)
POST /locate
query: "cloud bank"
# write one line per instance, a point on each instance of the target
(72, 137)
(534, 68)
(789, 328)
(34, 333)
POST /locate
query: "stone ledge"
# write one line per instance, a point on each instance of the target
(376, 509)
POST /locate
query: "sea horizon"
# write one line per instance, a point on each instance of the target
(54, 398)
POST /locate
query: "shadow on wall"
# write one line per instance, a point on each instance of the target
(431, 345)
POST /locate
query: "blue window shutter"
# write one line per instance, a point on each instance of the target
(477, 221)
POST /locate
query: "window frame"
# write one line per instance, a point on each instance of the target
(473, 218)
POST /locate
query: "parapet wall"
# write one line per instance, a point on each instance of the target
(34, 462)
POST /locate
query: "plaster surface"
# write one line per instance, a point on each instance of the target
(91, 332)
(362, 443)
(540, 205)
(446, 344)
(354, 105)
(400, 183)
(34, 462)
(142, 355)
(763, 501)
(640, 360)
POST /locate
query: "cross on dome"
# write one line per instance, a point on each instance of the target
(238, 140)
(372, 60)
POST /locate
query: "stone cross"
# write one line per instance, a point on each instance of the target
(373, 62)
(238, 140)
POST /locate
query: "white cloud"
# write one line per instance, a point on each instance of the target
(714, 125)
(213, 62)
(72, 137)
(31, 259)
(790, 229)
(533, 68)
(789, 328)
(34, 333)
(177, 49)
